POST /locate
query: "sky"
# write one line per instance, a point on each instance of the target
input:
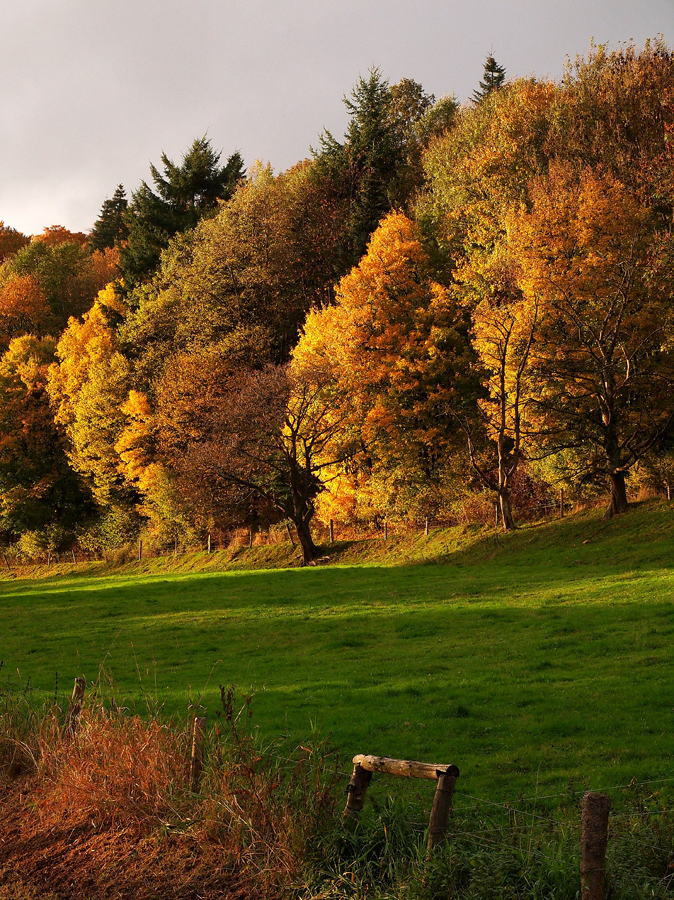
(92, 91)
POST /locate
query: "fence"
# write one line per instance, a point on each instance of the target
(447, 822)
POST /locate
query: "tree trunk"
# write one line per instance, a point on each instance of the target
(506, 510)
(618, 494)
(309, 549)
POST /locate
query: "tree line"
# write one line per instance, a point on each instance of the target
(448, 302)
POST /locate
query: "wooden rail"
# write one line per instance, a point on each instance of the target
(445, 776)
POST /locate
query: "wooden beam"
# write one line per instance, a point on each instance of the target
(406, 768)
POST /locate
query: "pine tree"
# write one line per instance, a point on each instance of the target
(110, 228)
(183, 195)
(494, 76)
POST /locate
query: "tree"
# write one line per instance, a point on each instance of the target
(87, 388)
(53, 277)
(11, 240)
(269, 439)
(602, 367)
(493, 78)
(183, 195)
(365, 167)
(397, 347)
(38, 489)
(110, 229)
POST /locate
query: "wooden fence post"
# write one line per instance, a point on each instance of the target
(442, 805)
(332, 532)
(140, 550)
(75, 705)
(250, 538)
(197, 758)
(73, 553)
(356, 789)
(385, 531)
(48, 557)
(593, 838)
(209, 544)
(426, 528)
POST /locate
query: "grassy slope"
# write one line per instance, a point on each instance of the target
(532, 657)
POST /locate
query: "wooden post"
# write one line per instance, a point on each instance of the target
(332, 532)
(75, 705)
(197, 759)
(593, 838)
(48, 557)
(140, 550)
(250, 538)
(442, 805)
(73, 553)
(385, 530)
(356, 789)
(209, 544)
(561, 504)
(426, 528)
(290, 534)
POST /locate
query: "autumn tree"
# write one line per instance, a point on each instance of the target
(271, 437)
(39, 492)
(53, 277)
(398, 350)
(602, 373)
(11, 241)
(87, 387)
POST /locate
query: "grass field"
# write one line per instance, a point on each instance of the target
(527, 659)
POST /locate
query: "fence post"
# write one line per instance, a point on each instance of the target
(332, 532)
(426, 527)
(250, 538)
(356, 789)
(385, 530)
(197, 758)
(140, 550)
(48, 557)
(209, 543)
(442, 805)
(593, 838)
(75, 705)
(73, 553)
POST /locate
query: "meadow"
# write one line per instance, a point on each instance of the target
(532, 660)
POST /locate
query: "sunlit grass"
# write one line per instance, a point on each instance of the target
(527, 659)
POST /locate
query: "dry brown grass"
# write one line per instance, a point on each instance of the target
(118, 789)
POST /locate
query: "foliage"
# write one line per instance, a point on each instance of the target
(183, 194)
(37, 487)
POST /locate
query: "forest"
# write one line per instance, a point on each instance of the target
(449, 307)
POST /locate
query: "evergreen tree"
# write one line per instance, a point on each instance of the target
(363, 169)
(110, 228)
(493, 78)
(183, 195)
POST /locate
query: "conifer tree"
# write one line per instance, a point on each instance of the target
(493, 78)
(110, 228)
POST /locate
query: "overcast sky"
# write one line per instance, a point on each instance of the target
(94, 90)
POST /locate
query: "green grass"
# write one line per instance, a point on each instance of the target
(528, 659)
